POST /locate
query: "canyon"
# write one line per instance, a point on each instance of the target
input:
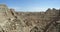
(12, 21)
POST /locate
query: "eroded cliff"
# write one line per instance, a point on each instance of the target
(12, 21)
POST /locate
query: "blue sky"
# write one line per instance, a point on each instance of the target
(31, 5)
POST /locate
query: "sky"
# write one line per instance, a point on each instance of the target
(31, 5)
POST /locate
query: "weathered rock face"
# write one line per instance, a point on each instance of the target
(9, 21)
(41, 21)
(12, 21)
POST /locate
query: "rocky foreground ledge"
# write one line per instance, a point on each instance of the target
(12, 21)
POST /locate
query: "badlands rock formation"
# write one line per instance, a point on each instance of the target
(12, 21)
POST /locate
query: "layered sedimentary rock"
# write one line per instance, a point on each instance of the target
(9, 21)
(12, 21)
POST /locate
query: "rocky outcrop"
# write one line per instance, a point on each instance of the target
(12, 21)
(40, 21)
